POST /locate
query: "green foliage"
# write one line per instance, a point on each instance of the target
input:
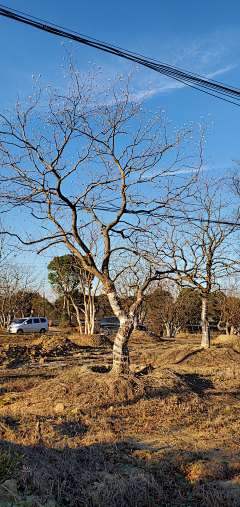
(8, 462)
(65, 274)
(68, 280)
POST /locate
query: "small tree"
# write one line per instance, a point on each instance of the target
(64, 276)
(17, 289)
(74, 284)
(200, 249)
(229, 312)
(91, 167)
(171, 307)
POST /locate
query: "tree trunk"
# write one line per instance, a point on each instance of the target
(220, 327)
(92, 317)
(142, 316)
(176, 330)
(87, 327)
(204, 323)
(171, 329)
(77, 315)
(168, 328)
(78, 319)
(68, 310)
(121, 361)
(4, 320)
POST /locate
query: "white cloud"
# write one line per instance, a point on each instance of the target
(211, 56)
(221, 71)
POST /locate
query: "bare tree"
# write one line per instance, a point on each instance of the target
(229, 310)
(93, 160)
(15, 282)
(128, 281)
(168, 306)
(200, 248)
(162, 307)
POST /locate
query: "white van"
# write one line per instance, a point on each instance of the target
(29, 325)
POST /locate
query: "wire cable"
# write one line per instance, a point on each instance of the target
(217, 89)
(115, 209)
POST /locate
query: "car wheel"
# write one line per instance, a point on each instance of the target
(42, 331)
(19, 331)
(106, 331)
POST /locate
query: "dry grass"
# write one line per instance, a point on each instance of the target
(166, 435)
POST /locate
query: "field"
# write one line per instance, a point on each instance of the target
(167, 435)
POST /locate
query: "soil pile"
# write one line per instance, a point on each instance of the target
(169, 380)
(44, 346)
(48, 346)
(144, 337)
(81, 391)
(90, 340)
(82, 436)
(227, 340)
(191, 356)
(137, 336)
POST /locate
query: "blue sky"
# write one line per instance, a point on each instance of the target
(202, 37)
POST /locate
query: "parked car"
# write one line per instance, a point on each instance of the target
(110, 325)
(29, 325)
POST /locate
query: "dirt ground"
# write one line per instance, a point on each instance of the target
(72, 434)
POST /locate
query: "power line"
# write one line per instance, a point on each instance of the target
(153, 213)
(211, 87)
(113, 208)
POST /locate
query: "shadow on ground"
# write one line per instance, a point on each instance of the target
(120, 474)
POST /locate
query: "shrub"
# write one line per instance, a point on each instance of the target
(8, 462)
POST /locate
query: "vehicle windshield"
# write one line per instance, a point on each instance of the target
(20, 321)
(110, 320)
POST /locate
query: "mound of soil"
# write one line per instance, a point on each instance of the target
(195, 356)
(43, 346)
(227, 339)
(90, 340)
(144, 337)
(48, 346)
(169, 380)
(175, 355)
(136, 337)
(82, 390)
